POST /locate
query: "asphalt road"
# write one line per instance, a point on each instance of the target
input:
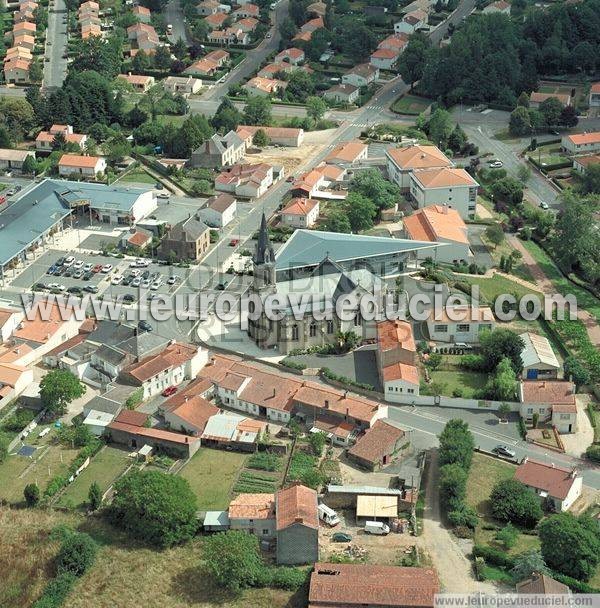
(55, 65)
(174, 16)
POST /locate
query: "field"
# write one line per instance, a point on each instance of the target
(411, 105)
(104, 468)
(467, 381)
(139, 176)
(492, 287)
(548, 155)
(124, 574)
(212, 474)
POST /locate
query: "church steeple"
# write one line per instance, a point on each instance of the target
(264, 253)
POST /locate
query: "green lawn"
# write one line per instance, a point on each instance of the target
(104, 468)
(484, 474)
(466, 380)
(409, 104)
(492, 287)
(212, 474)
(138, 175)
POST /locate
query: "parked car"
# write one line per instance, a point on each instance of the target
(172, 280)
(341, 537)
(146, 284)
(39, 287)
(87, 267)
(544, 205)
(117, 279)
(69, 261)
(68, 272)
(87, 275)
(60, 261)
(145, 326)
(97, 268)
(328, 515)
(163, 195)
(496, 164)
(78, 264)
(377, 528)
(234, 242)
(90, 289)
(156, 285)
(170, 390)
(77, 291)
(128, 298)
(107, 268)
(504, 450)
(128, 279)
(78, 274)
(52, 269)
(137, 281)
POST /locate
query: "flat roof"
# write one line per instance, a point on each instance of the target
(376, 506)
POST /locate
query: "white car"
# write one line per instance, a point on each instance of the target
(544, 205)
(78, 265)
(107, 268)
(56, 287)
(69, 261)
(496, 164)
(155, 285)
(163, 195)
(87, 267)
(135, 272)
(142, 263)
(136, 282)
(117, 279)
(145, 284)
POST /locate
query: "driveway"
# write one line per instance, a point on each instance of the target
(577, 443)
(481, 253)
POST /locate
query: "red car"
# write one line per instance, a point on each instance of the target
(233, 242)
(170, 390)
(97, 268)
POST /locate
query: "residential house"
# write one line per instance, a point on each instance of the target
(170, 367)
(16, 71)
(560, 486)
(539, 360)
(395, 42)
(14, 379)
(594, 99)
(136, 238)
(401, 162)
(411, 22)
(84, 166)
(204, 67)
(380, 446)
(18, 52)
(307, 185)
(142, 13)
(186, 240)
(440, 224)
(24, 27)
(300, 213)
(10, 318)
(317, 8)
(361, 75)
(293, 55)
(247, 25)
(90, 29)
(45, 139)
(230, 35)
(536, 99)
(302, 37)
(581, 163)
(542, 584)
(396, 357)
(342, 93)
(280, 136)
(247, 181)
(138, 82)
(581, 143)
(460, 323)
(219, 210)
(246, 10)
(232, 431)
(13, 159)
(384, 59)
(348, 153)
(446, 186)
(356, 585)
(96, 422)
(253, 513)
(264, 86)
(188, 415)
(208, 7)
(219, 151)
(271, 70)
(24, 40)
(314, 24)
(182, 85)
(500, 6)
(216, 21)
(297, 525)
(551, 400)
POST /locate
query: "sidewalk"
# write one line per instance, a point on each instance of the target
(545, 284)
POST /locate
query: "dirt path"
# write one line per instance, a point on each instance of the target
(546, 285)
(453, 567)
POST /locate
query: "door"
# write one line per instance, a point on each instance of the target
(532, 374)
(570, 428)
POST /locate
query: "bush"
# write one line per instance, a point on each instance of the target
(593, 452)
(508, 536)
(77, 554)
(494, 556)
(456, 444)
(31, 494)
(16, 422)
(56, 591)
(287, 578)
(514, 502)
(463, 517)
(452, 485)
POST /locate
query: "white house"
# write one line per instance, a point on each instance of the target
(594, 99)
(253, 513)
(551, 400)
(361, 75)
(411, 22)
(301, 213)
(12, 159)
(539, 360)
(219, 210)
(86, 166)
(447, 186)
(9, 321)
(182, 85)
(500, 6)
(97, 421)
(14, 379)
(439, 224)
(581, 143)
(401, 162)
(460, 324)
(342, 93)
(559, 485)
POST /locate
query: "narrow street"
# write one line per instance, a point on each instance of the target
(174, 16)
(55, 64)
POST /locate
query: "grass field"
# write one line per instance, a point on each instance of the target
(484, 474)
(104, 468)
(548, 155)
(212, 474)
(124, 574)
(492, 287)
(138, 175)
(466, 380)
(411, 105)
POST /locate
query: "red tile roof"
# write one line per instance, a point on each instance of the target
(551, 392)
(152, 433)
(351, 585)
(132, 417)
(552, 479)
(436, 222)
(580, 139)
(196, 411)
(174, 355)
(296, 505)
(377, 442)
(252, 506)
(395, 334)
(300, 206)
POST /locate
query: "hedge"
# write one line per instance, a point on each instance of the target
(494, 556)
(574, 584)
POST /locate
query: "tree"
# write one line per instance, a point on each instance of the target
(77, 553)
(508, 190)
(31, 493)
(504, 410)
(503, 384)
(494, 234)
(29, 165)
(570, 545)
(318, 44)
(524, 173)
(464, 516)
(507, 536)
(591, 179)
(372, 185)
(413, 59)
(94, 496)
(361, 211)
(155, 507)
(452, 486)
(227, 117)
(141, 62)
(180, 48)
(162, 58)
(551, 108)
(317, 442)
(315, 107)
(258, 111)
(99, 55)
(57, 389)
(498, 344)
(527, 564)
(568, 117)
(136, 117)
(578, 374)
(456, 444)
(233, 559)
(523, 100)
(300, 86)
(440, 127)
(17, 116)
(35, 71)
(458, 139)
(260, 139)
(3, 447)
(336, 220)
(117, 148)
(520, 121)
(288, 30)
(512, 501)
(356, 40)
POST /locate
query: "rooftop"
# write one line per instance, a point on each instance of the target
(297, 505)
(376, 442)
(418, 157)
(550, 392)
(535, 97)
(537, 350)
(300, 206)
(394, 334)
(252, 506)
(347, 152)
(554, 480)
(580, 139)
(436, 223)
(542, 584)
(444, 177)
(174, 355)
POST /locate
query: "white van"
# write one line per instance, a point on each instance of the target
(328, 515)
(376, 527)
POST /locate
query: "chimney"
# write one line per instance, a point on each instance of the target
(552, 465)
(573, 473)
(326, 404)
(186, 397)
(347, 413)
(274, 392)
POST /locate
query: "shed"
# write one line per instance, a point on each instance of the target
(371, 507)
(144, 452)
(97, 421)
(216, 521)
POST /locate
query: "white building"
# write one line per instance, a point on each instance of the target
(401, 162)
(301, 213)
(182, 85)
(86, 166)
(447, 186)
(581, 143)
(550, 400)
(411, 22)
(220, 210)
(361, 75)
(460, 324)
(539, 360)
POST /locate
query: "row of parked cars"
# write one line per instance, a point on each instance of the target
(77, 269)
(144, 280)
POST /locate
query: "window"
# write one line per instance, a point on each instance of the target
(330, 326)
(530, 410)
(565, 417)
(313, 329)
(295, 332)
(463, 327)
(440, 329)
(390, 388)
(411, 390)
(357, 319)
(265, 532)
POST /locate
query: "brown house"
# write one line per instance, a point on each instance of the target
(188, 240)
(379, 446)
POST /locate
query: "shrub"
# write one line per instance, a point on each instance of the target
(287, 578)
(56, 591)
(508, 536)
(76, 554)
(31, 494)
(465, 516)
(456, 444)
(494, 556)
(593, 452)
(514, 502)
(452, 485)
